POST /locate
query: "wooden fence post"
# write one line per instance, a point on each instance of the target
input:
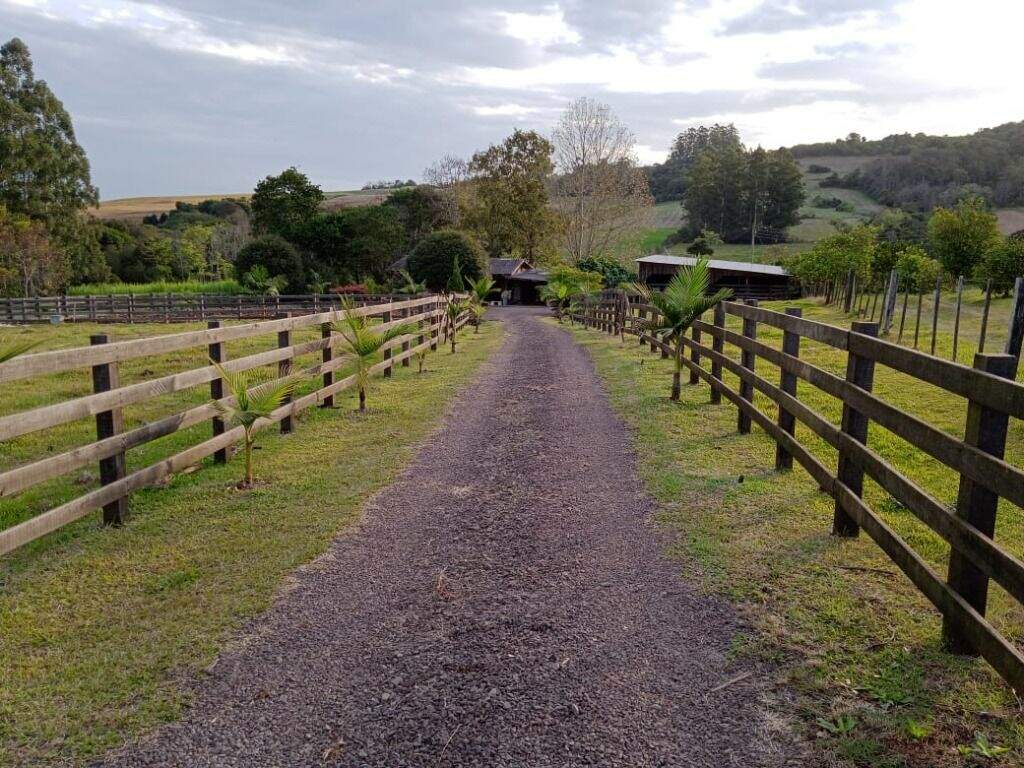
(131, 307)
(935, 311)
(748, 360)
(284, 368)
(405, 344)
(889, 308)
(327, 356)
(695, 355)
(386, 318)
(641, 316)
(1015, 334)
(718, 345)
(433, 330)
(956, 322)
(986, 430)
(787, 383)
(217, 355)
(860, 371)
(917, 324)
(105, 377)
(984, 316)
(903, 314)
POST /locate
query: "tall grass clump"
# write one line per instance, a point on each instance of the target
(230, 287)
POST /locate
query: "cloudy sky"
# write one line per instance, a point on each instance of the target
(204, 96)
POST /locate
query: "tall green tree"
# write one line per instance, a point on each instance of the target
(431, 261)
(354, 244)
(745, 196)
(668, 180)
(510, 206)
(282, 204)
(961, 236)
(44, 173)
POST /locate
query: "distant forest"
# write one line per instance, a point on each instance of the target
(918, 172)
(915, 172)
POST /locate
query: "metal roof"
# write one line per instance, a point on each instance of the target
(507, 266)
(531, 275)
(733, 266)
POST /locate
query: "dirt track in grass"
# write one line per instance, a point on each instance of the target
(505, 602)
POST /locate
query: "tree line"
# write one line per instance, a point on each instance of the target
(727, 190)
(920, 172)
(963, 239)
(573, 197)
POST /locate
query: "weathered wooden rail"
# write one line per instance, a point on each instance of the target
(174, 307)
(109, 398)
(993, 398)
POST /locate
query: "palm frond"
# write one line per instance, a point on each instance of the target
(256, 397)
(9, 351)
(683, 300)
(481, 287)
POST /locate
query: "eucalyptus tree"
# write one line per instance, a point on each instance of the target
(684, 299)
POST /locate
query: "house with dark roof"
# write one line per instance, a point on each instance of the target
(745, 279)
(519, 278)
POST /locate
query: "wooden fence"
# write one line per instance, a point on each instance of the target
(901, 317)
(173, 307)
(109, 398)
(992, 395)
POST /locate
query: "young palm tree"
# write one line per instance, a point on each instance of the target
(558, 295)
(409, 285)
(679, 305)
(479, 290)
(364, 341)
(453, 311)
(256, 397)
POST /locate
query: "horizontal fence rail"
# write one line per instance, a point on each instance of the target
(108, 400)
(992, 397)
(175, 307)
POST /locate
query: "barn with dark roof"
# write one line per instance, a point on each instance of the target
(747, 280)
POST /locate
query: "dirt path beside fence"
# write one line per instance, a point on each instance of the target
(504, 603)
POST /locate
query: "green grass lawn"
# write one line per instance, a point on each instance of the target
(854, 640)
(100, 627)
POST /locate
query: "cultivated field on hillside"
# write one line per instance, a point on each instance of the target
(138, 207)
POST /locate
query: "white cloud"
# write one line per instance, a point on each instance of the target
(539, 29)
(504, 110)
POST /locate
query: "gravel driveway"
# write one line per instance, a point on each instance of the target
(504, 603)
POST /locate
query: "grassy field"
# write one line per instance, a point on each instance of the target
(138, 207)
(851, 637)
(103, 630)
